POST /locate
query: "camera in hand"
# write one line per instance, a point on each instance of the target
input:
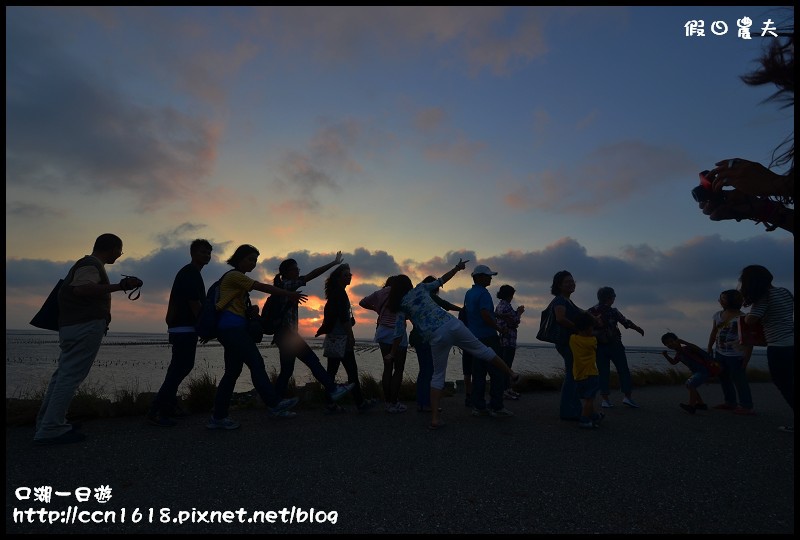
(705, 192)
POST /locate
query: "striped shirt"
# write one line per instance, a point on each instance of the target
(776, 313)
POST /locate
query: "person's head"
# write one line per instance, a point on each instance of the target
(401, 285)
(606, 295)
(244, 258)
(430, 279)
(200, 250)
(563, 283)
(388, 282)
(338, 279)
(107, 248)
(506, 292)
(731, 299)
(670, 341)
(482, 275)
(754, 283)
(288, 269)
(584, 323)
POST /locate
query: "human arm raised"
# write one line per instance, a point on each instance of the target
(324, 268)
(457, 268)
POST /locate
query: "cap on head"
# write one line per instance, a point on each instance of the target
(482, 269)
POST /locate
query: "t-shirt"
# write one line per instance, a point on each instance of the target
(776, 311)
(418, 306)
(584, 356)
(477, 300)
(727, 343)
(188, 287)
(233, 293)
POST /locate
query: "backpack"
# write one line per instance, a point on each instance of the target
(272, 313)
(208, 317)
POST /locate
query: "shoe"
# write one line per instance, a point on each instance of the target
(597, 418)
(70, 436)
(468, 401)
(400, 407)
(586, 425)
(479, 412)
(283, 414)
(437, 425)
(688, 408)
(724, 407)
(334, 409)
(607, 404)
(787, 429)
(284, 405)
(744, 411)
(701, 407)
(225, 423)
(366, 405)
(501, 413)
(630, 403)
(508, 394)
(156, 419)
(341, 390)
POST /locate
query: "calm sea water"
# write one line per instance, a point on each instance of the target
(138, 362)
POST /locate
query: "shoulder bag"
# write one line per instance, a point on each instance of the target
(47, 317)
(751, 335)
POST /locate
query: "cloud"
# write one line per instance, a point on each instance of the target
(69, 126)
(608, 175)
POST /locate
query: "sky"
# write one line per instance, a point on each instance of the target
(528, 139)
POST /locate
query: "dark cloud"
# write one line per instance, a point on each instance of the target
(69, 126)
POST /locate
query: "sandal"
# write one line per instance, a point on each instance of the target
(427, 409)
(434, 427)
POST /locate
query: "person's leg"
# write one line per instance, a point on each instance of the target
(466, 370)
(307, 356)
(781, 368)
(350, 366)
(233, 368)
(79, 346)
(725, 379)
(570, 406)
(604, 370)
(425, 360)
(620, 360)
(287, 353)
(498, 375)
(440, 346)
(739, 377)
(386, 376)
(184, 348)
(508, 354)
(258, 373)
(332, 370)
(399, 365)
(479, 372)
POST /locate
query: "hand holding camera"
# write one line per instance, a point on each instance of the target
(131, 285)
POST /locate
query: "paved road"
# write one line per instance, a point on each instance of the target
(652, 470)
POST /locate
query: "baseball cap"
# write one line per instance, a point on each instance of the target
(483, 269)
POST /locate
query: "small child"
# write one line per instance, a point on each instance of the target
(693, 357)
(584, 368)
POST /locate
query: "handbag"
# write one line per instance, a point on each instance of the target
(751, 335)
(47, 316)
(254, 326)
(549, 330)
(255, 329)
(333, 346)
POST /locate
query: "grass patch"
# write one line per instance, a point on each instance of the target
(91, 401)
